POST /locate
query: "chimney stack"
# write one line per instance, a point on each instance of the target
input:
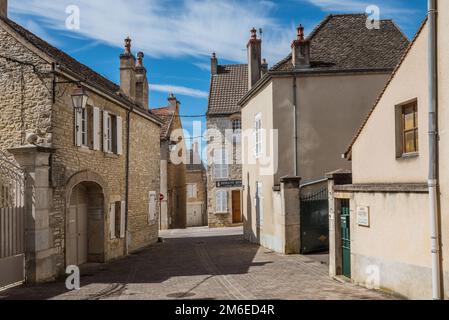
(264, 67)
(301, 50)
(4, 8)
(254, 59)
(128, 71)
(142, 90)
(196, 158)
(214, 64)
(173, 103)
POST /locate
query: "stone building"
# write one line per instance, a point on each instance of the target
(299, 115)
(196, 180)
(229, 83)
(173, 166)
(90, 150)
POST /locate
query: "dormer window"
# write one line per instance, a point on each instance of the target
(236, 125)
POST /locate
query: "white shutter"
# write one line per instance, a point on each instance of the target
(194, 191)
(78, 133)
(122, 219)
(96, 128)
(218, 202)
(112, 221)
(225, 201)
(151, 207)
(119, 136)
(105, 131)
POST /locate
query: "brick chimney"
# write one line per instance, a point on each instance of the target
(214, 64)
(196, 158)
(254, 59)
(4, 8)
(264, 67)
(301, 50)
(128, 71)
(173, 103)
(142, 92)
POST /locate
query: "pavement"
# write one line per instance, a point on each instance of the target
(202, 263)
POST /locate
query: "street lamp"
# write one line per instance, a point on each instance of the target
(79, 99)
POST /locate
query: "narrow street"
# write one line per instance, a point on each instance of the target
(200, 263)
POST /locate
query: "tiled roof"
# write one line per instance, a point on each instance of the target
(393, 75)
(227, 88)
(167, 116)
(70, 64)
(344, 43)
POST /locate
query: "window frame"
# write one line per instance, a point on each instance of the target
(84, 127)
(221, 201)
(402, 131)
(192, 191)
(223, 166)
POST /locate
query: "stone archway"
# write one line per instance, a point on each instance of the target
(85, 226)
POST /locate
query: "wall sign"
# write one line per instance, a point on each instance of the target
(230, 184)
(363, 216)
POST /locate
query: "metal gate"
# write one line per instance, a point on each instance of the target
(12, 223)
(314, 217)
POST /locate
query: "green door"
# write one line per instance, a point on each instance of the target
(346, 238)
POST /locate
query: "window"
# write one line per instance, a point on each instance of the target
(192, 191)
(407, 140)
(112, 130)
(236, 125)
(221, 198)
(84, 126)
(221, 164)
(259, 204)
(410, 128)
(117, 222)
(258, 135)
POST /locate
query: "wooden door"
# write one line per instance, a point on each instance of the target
(236, 207)
(77, 228)
(194, 215)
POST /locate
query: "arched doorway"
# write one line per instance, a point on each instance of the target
(85, 224)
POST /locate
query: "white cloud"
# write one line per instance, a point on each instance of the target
(178, 90)
(169, 28)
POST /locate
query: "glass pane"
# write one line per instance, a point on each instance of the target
(409, 143)
(409, 120)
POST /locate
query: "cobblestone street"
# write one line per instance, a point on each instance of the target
(203, 264)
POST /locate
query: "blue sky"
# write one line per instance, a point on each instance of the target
(178, 36)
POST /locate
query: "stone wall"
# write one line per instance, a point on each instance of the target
(176, 185)
(217, 126)
(144, 178)
(199, 178)
(26, 107)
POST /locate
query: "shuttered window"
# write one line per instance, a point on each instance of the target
(221, 198)
(117, 222)
(96, 134)
(113, 133)
(258, 135)
(259, 204)
(192, 192)
(221, 164)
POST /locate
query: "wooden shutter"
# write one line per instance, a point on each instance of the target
(112, 221)
(78, 133)
(122, 219)
(119, 135)
(105, 131)
(96, 128)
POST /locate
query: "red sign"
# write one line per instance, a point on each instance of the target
(161, 197)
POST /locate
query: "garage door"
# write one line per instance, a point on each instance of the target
(194, 215)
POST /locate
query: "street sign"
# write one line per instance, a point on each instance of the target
(230, 184)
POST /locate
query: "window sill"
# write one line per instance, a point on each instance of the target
(85, 149)
(111, 155)
(220, 213)
(411, 155)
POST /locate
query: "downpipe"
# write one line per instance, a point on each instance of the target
(437, 288)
